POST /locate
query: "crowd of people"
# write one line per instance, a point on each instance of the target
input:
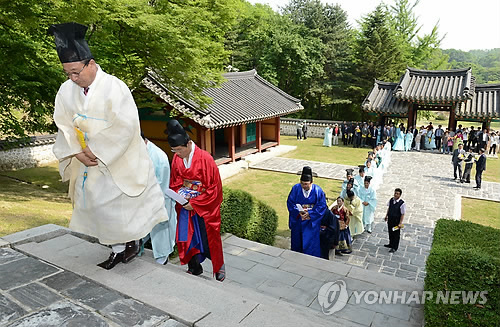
(317, 228)
(123, 189)
(423, 138)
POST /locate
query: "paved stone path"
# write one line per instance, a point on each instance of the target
(34, 293)
(430, 194)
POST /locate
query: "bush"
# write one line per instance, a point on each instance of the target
(464, 257)
(244, 216)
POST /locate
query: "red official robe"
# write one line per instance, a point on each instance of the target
(203, 177)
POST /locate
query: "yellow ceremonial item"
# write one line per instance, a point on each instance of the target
(395, 228)
(81, 138)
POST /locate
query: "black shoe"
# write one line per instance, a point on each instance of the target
(387, 245)
(113, 259)
(467, 182)
(392, 251)
(461, 181)
(194, 266)
(131, 250)
(337, 252)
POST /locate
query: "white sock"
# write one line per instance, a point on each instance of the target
(118, 248)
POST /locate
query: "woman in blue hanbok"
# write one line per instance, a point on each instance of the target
(429, 143)
(328, 136)
(368, 197)
(408, 140)
(379, 132)
(399, 144)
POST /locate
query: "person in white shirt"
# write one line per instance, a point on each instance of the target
(494, 140)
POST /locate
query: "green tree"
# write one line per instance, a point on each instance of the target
(328, 23)
(378, 53)
(284, 53)
(416, 49)
(29, 76)
(182, 41)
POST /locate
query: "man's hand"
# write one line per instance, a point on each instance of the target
(386, 218)
(305, 216)
(188, 206)
(89, 153)
(365, 203)
(84, 159)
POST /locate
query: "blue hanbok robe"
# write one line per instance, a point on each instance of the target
(399, 144)
(355, 188)
(430, 142)
(360, 180)
(408, 141)
(163, 234)
(306, 233)
(368, 195)
(379, 132)
(328, 137)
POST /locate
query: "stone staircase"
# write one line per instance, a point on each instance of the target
(265, 286)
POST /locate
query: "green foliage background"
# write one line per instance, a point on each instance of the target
(308, 49)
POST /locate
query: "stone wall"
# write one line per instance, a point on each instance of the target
(315, 128)
(36, 152)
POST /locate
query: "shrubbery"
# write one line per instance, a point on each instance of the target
(464, 257)
(246, 217)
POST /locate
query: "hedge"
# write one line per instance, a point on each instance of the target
(464, 257)
(245, 216)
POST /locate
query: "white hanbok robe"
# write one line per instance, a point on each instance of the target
(119, 200)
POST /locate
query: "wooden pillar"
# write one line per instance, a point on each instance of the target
(277, 130)
(212, 143)
(411, 116)
(452, 123)
(203, 143)
(243, 137)
(258, 135)
(231, 145)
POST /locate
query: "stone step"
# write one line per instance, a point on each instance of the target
(190, 299)
(296, 278)
(264, 284)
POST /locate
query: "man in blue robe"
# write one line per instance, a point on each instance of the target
(306, 206)
(368, 198)
(163, 234)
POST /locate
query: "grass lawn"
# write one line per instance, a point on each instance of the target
(273, 188)
(25, 205)
(481, 212)
(313, 149)
(492, 173)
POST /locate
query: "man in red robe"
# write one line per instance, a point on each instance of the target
(195, 176)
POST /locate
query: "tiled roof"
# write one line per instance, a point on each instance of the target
(435, 86)
(381, 99)
(243, 98)
(484, 104)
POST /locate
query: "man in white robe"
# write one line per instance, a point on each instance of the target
(113, 188)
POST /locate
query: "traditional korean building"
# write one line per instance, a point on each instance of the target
(454, 91)
(243, 118)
